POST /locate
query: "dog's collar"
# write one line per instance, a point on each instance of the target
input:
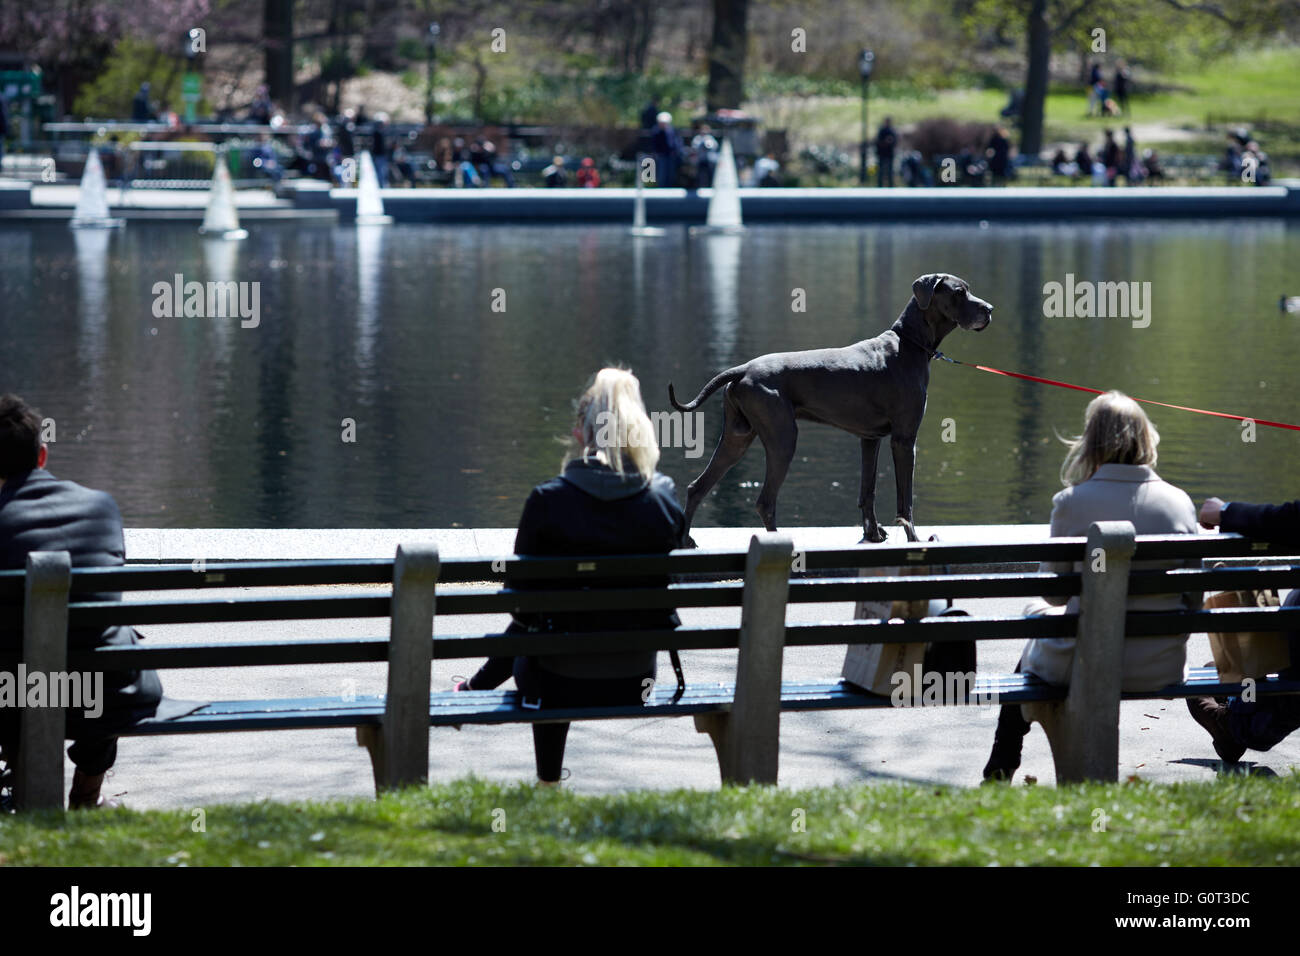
(929, 352)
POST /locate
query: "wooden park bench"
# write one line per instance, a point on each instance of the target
(742, 716)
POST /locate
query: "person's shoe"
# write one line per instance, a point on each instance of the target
(85, 794)
(1213, 716)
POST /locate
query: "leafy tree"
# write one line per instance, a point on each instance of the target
(1061, 24)
(72, 38)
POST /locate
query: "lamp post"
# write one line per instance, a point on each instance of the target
(866, 59)
(190, 81)
(431, 43)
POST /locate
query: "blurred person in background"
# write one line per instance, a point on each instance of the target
(667, 148)
(705, 147)
(588, 176)
(554, 175)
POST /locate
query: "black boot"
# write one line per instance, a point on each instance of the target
(1008, 741)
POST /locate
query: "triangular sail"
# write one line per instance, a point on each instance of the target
(724, 204)
(92, 202)
(370, 204)
(221, 216)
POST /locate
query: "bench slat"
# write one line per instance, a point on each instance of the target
(457, 646)
(93, 614)
(464, 570)
(493, 707)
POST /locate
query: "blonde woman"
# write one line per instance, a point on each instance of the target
(1109, 474)
(608, 499)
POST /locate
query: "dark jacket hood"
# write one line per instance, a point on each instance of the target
(601, 481)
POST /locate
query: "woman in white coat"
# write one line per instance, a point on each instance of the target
(1109, 474)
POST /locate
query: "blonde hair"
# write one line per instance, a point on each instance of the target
(1115, 431)
(614, 426)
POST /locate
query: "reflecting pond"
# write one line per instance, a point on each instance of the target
(456, 352)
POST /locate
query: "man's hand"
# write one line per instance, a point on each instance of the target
(1209, 516)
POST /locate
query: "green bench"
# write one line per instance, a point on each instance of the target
(417, 589)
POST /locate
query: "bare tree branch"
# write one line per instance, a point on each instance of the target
(1213, 9)
(1069, 18)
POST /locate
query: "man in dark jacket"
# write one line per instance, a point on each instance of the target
(1122, 78)
(999, 155)
(886, 141)
(1261, 724)
(1110, 157)
(38, 512)
(141, 109)
(667, 148)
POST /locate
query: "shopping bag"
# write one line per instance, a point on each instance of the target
(1241, 654)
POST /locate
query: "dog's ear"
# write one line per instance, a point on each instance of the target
(923, 289)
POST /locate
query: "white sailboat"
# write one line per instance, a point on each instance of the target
(370, 202)
(724, 202)
(92, 198)
(221, 220)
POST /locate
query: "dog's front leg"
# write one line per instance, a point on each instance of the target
(904, 449)
(871, 530)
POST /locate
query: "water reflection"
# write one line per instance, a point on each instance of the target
(370, 266)
(93, 294)
(457, 405)
(721, 255)
(220, 260)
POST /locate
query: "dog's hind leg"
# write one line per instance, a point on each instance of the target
(871, 530)
(779, 440)
(737, 436)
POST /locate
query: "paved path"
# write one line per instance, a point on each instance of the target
(1159, 740)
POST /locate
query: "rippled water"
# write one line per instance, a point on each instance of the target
(199, 422)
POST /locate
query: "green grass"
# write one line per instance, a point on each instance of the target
(1243, 88)
(1233, 820)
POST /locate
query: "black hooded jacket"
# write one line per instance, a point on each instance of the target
(591, 509)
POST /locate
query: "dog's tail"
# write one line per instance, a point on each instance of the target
(715, 383)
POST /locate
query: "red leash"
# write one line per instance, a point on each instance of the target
(1098, 391)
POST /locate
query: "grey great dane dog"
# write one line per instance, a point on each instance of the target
(871, 389)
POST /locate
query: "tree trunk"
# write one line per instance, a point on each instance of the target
(644, 36)
(480, 85)
(277, 28)
(1039, 50)
(381, 34)
(727, 55)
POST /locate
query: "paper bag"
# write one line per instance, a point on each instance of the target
(872, 666)
(1241, 654)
